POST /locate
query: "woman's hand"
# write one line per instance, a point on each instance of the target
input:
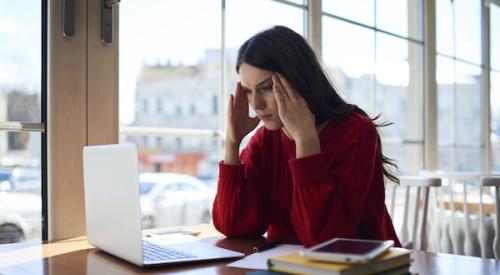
(294, 113)
(239, 122)
(297, 118)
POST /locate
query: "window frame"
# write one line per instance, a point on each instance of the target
(97, 91)
(428, 131)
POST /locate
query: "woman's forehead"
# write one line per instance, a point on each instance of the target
(251, 76)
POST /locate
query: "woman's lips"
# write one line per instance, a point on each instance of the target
(266, 117)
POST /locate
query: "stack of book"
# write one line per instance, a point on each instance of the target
(395, 261)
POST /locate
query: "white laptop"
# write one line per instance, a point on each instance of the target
(113, 213)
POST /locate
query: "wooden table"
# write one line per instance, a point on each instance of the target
(76, 256)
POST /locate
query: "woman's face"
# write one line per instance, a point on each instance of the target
(257, 85)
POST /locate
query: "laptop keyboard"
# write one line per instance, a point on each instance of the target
(153, 252)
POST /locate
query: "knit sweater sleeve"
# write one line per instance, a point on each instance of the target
(330, 189)
(241, 204)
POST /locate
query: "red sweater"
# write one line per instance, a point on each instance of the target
(336, 193)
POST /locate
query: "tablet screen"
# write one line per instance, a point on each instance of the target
(349, 247)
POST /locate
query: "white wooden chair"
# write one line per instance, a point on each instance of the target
(418, 238)
(458, 228)
(490, 181)
(450, 235)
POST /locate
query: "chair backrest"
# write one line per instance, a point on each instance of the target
(465, 227)
(490, 181)
(418, 239)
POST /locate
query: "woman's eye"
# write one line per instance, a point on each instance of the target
(267, 88)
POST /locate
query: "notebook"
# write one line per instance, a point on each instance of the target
(113, 214)
(395, 261)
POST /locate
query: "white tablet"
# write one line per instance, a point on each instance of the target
(351, 251)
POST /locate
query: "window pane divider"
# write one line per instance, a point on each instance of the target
(161, 131)
(22, 127)
(291, 4)
(401, 141)
(486, 89)
(420, 42)
(454, 58)
(450, 144)
(496, 2)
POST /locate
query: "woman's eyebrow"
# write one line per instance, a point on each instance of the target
(264, 81)
(260, 83)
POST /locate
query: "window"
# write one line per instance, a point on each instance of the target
(375, 56)
(238, 30)
(495, 85)
(458, 75)
(350, 10)
(186, 81)
(22, 121)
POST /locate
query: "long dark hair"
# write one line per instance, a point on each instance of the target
(280, 49)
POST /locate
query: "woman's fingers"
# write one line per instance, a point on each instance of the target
(279, 88)
(278, 95)
(239, 96)
(285, 86)
(230, 104)
(240, 99)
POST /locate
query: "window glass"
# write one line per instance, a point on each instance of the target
(445, 41)
(495, 37)
(401, 17)
(399, 89)
(459, 115)
(169, 60)
(468, 159)
(468, 30)
(348, 54)
(468, 104)
(360, 11)
(20, 101)
(445, 78)
(458, 30)
(495, 119)
(446, 158)
(409, 157)
(20, 60)
(187, 164)
(20, 187)
(170, 77)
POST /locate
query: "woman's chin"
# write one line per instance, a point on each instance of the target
(271, 125)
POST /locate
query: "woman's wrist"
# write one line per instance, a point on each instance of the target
(307, 145)
(231, 155)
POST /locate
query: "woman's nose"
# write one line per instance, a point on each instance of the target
(257, 102)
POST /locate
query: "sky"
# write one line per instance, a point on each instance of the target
(179, 32)
(20, 40)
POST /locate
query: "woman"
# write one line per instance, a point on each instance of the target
(315, 171)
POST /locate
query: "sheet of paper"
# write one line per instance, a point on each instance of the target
(259, 260)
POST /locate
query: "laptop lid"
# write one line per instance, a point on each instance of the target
(112, 205)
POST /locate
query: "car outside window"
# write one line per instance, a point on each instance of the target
(145, 187)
